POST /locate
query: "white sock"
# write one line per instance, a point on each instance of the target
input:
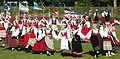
(3, 44)
(106, 54)
(0, 38)
(12, 49)
(97, 51)
(27, 46)
(95, 56)
(109, 54)
(19, 48)
(47, 52)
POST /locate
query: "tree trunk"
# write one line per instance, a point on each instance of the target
(115, 3)
(1, 2)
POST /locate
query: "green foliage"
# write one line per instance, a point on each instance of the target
(53, 0)
(83, 3)
(104, 0)
(14, 11)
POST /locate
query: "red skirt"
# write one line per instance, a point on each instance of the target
(13, 43)
(26, 38)
(7, 39)
(20, 42)
(40, 46)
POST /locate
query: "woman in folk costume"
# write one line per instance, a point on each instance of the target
(8, 35)
(85, 28)
(40, 45)
(64, 35)
(32, 38)
(76, 44)
(21, 37)
(24, 19)
(2, 33)
(108, 41)
(43, 22)
(95, 39)
(36, 21)
(29, 22)
(26, 36)
(49, 40)
(13, 39)
(105, 16)
(54, 23)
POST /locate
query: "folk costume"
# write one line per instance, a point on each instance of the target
(76, 45)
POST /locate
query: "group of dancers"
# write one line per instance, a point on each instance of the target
(37, 34)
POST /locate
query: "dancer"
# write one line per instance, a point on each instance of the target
(64, 35)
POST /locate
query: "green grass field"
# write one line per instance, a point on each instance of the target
(8, 54)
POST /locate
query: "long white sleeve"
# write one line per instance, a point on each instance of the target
(13, 31)
(59, 35)
(35, 31)
(101, 31)
(50, 22)
(114, 34)
(6, 26)
(57, 22)
(41, 35)
(23, 31)
(17, 32)
(89, 34)
(68, 34)
(54, 35)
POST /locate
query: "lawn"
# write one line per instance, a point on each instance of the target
(8, 54)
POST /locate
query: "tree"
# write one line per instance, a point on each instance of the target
(1, 2)
(83, 3)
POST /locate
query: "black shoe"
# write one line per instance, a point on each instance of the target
(2, 46)
(52, 53)
(48, 54)
(26, 50)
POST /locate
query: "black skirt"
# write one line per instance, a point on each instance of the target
(76, 44)
(96, 42)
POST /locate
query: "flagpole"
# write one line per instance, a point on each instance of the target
(49, 12)
(4, 10)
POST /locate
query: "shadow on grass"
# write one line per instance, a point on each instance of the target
(90, 53)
